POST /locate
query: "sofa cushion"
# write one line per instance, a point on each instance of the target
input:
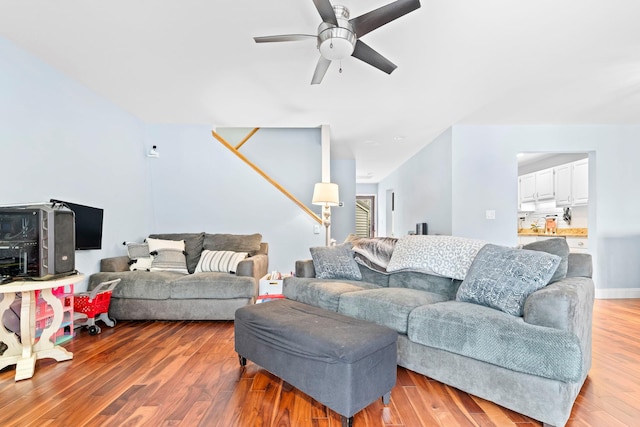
(447, 256)
(425, 282)
(249, 243)
(557, 246)
(495, 337)
(169, 260)
(323, 294)
(138, 284)
(503, 278)
(219, 261)
(192, 244)
(335, 262)
(386, 306)
(210, 285)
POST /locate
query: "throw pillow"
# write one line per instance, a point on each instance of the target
(556, 246)
(139, 257)
(503, 278)
(220, 261)
(233, 242)
(155, 244)
(192, 244)
(169, 260)
(335, 262)
(446, 256)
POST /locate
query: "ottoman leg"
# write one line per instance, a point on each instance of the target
(346, 421)
(386, 398)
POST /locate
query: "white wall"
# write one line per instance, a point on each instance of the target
(60, 140)
(422, 187)
(484, 174)
(485, 177)
(200, 185)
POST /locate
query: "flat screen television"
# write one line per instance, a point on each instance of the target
(88, 225)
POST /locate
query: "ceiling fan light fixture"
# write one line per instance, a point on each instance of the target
(337, 42)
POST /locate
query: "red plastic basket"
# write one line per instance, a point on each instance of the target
(100, 304)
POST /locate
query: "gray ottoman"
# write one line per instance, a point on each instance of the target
(342, 362)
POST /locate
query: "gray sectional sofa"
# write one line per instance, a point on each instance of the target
(167, 293)
(465, 332)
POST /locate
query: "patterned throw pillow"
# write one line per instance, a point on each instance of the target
(556, 246)
(169, 260)
(219, 261)
(446, 256)
(335, 262)
(139, 257)
(503, 278)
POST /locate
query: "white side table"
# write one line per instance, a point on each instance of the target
(24, 354)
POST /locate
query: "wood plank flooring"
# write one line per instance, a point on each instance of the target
(187, 374)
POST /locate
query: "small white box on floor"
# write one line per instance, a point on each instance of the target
(270, 287)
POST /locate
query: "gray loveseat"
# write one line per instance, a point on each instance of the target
(533, 362)
(198, 295)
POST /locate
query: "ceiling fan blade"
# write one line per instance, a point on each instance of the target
(383, 15)
(326, 11)
(284, 38)
(366, 54)
(321, 70)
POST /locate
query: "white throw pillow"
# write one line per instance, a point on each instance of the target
(155, 244)
(219, 261)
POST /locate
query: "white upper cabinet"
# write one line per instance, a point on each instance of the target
(580, 182)
(527, 187)
(567, 184)
(536, 186)
(545, 184)
(563, 184)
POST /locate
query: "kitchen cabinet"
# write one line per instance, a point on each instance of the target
(564, 175)
(536, 186)
(527, 187)
(578, 244)
(580, 182)
(545, 185)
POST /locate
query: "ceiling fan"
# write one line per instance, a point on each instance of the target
(339, 37)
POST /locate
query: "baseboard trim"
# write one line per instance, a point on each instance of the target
(618, 293)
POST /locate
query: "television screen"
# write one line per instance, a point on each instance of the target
(88, 225)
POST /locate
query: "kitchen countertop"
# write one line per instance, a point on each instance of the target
(566, 232)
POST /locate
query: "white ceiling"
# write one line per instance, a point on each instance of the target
(477, 62)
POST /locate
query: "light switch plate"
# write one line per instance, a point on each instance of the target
(491, 214)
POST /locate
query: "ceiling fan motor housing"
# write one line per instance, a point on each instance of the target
(337, 42)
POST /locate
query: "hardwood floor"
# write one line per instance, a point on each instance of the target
(187, 374)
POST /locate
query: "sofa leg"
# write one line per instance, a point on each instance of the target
(346, 421)
(242, 360)
(386, 398)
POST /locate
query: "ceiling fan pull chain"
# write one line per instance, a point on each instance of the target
(340, 69)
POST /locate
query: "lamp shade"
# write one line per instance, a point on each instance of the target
(325, 193)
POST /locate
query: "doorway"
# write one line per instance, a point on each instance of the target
(365, 216)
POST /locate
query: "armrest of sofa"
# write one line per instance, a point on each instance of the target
(305, 268)
(118, 263)
(255, 266)
(566, 304)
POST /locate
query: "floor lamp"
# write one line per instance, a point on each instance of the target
(325, 194)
